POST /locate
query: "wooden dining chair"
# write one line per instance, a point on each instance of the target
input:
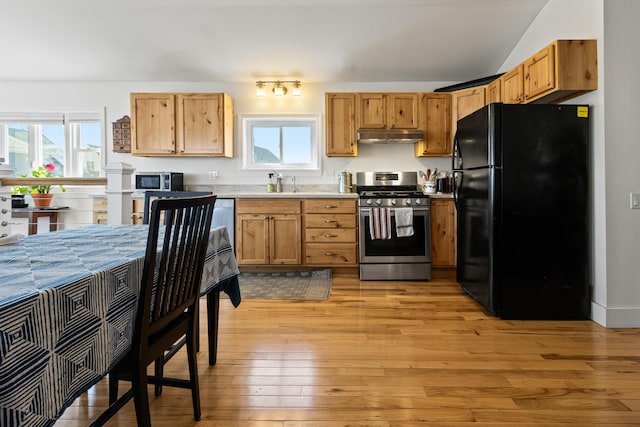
(151, 195)
(167, 303)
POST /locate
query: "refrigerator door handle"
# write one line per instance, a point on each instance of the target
(456, 166)
(456, 158)
(455, 186)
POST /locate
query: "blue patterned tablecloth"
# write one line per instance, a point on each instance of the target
(67, 305)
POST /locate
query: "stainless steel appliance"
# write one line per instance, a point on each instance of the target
(521, 190)
(391, 257)
(160, 181)
(224, 214)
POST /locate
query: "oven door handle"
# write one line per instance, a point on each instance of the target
(415, 210)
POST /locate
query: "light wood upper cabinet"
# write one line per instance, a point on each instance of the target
(562, 70)
(205, 124)
(466, 101)
(540, 72)
(153, 119)
(436, 123)
(181, 124)
(513, 86)
(341, 124)
(388, 111)
(494, 91)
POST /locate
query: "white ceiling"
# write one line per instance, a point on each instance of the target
(246, 40)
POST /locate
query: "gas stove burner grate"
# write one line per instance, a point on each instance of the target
(391, 194)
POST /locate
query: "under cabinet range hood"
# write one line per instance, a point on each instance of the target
(390, 136)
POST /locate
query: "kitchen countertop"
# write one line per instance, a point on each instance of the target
(284, 194)
(288, 194)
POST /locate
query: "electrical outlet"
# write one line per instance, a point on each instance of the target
(214, 174)
(635, 200)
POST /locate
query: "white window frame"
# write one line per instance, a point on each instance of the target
(66, 118)
(248, 120)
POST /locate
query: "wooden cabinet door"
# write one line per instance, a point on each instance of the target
(436, 116)
(137, 211)
(284, 239)
(494, 91)
(252, 239)
(372, 111)
(466, 101)
(200, 124)
(153, 120)
(341, 124)
(513, 85)
(540, 72)
(443, 233)
(403, 110)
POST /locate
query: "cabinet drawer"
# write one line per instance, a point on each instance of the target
(333, 254)
(330, 205)
(99, 205)
(322, 235)
(280, 206)
(330, 221)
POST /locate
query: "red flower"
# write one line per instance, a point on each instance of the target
(50, 167)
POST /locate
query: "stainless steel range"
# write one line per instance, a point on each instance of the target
(394, 227)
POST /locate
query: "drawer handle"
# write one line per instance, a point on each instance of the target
(4, 211)
(330, 207)
(330, 235)
(330, 221)
(330, 254)
(3, 198)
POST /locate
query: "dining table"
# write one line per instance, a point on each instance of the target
(67, 308)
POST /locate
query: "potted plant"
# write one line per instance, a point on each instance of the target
(41, 194)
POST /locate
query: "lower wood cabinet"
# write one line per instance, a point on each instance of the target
(99, 210)
(330, 232)
(443, 233)
(268, 231)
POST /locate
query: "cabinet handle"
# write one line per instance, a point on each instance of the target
(4, 211)
(330, 254)
(3, 198)
(5, 223)
(330, 206)
(329, 221)
(330, 235)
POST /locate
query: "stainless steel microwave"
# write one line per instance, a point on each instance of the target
(160, 181)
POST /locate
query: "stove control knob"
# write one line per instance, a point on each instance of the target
(407, 202)
(378, 202)
(418, 201)
(393, 202)
(369, 201)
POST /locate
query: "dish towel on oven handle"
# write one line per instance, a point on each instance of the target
(404, 222)
(380, 224)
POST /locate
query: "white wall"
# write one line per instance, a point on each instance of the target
(622, 149)
(114, 98)
(616, 295)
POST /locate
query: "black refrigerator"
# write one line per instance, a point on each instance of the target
(521, 191)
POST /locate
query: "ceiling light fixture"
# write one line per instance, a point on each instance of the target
(279, 89)
(260, 92)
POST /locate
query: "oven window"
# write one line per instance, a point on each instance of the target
(397, 246)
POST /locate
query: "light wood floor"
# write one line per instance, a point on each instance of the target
(398, 354)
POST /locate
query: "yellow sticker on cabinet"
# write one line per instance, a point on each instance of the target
(583, 111)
